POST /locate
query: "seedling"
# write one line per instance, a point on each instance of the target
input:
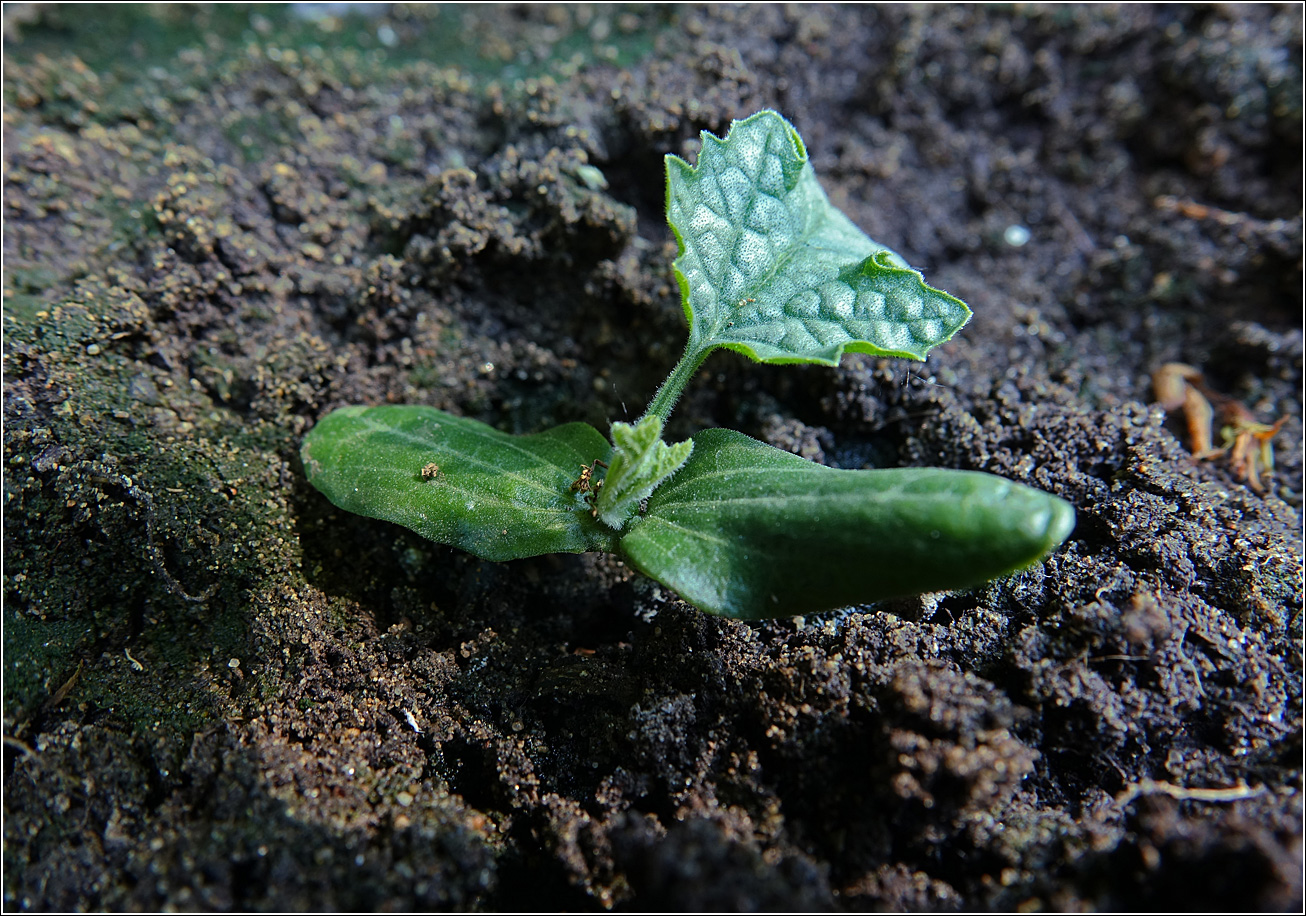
(769, 268)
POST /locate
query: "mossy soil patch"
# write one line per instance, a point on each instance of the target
(222, 693)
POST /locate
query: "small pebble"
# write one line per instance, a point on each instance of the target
(1015, 235)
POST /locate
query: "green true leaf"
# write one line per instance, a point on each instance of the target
(770, 268)
(640, 461)
(460, 482)
(749, 531)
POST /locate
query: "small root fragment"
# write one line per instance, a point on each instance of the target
(1246, 441)
(1182, 793)
(146, 501)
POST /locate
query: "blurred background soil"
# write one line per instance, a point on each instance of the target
(221, 222)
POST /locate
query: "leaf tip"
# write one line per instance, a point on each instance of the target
(1057, 523)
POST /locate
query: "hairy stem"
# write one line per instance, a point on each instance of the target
(674, 386)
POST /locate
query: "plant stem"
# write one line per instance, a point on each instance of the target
(674, 386)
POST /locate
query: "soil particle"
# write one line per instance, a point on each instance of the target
(222, 693)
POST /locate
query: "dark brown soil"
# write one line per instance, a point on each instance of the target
(221, 693)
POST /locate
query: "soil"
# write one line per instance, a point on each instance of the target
(222, 693)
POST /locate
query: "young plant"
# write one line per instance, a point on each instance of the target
(769, 268)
